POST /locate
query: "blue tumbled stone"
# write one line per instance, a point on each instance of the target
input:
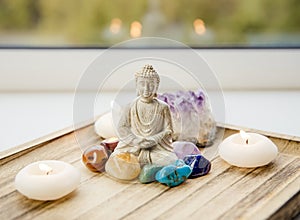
(148, 172)
(199, 164)
(174, 174)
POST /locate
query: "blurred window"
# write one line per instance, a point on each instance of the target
(102, 23)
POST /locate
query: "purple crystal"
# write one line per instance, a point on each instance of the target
(197, 98)
(184, 148)
(169, 99)
(183, 101)
(191, 116)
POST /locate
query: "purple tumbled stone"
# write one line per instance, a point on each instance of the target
(199, 164)
(184, 148)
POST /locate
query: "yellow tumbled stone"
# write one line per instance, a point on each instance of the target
(123, 166)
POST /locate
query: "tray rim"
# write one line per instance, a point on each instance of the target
(57, 134)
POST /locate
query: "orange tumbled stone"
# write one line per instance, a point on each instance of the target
(95, 157)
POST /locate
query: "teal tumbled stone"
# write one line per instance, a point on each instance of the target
(174, 174)
(148, 172)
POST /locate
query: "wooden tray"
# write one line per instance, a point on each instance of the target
(227, 192)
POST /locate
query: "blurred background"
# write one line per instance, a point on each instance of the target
(102, 23)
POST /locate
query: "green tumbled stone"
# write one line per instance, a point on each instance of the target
(148, 172)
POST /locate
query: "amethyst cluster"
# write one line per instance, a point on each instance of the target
(191, 115)
(183, 101)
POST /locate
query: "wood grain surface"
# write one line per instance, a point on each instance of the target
(227, 192)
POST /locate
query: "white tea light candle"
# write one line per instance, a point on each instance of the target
(247, 150)
(47, 180)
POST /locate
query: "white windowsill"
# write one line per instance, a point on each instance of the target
(37, 89)
(28, 116)
(61, 70)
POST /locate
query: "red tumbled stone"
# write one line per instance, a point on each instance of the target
(110, 143)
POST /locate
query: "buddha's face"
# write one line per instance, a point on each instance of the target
(147, 88)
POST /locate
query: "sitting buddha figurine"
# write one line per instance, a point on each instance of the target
(145, 128)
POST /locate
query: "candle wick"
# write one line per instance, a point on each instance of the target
(247, 141)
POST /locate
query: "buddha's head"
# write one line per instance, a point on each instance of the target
(147, 82)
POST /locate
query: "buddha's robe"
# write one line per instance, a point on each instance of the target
(147, 120)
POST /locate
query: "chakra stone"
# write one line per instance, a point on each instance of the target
(184, 148)
(148, 172)
(123, 166)
(174, 174)
(94, 158)
(110, 143)
(200, 165)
